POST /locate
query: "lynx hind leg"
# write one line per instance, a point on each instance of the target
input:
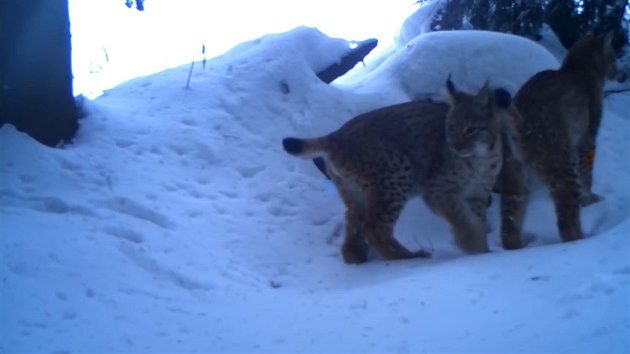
(355, 249)
(514, 196)
(468, 225)
(559, 169)
(567, 203)
(586, 161)
(383, 210)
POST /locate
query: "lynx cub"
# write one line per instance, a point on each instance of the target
(450, 155)
(560, 113)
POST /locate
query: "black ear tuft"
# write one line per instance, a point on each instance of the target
(502, 98)
(293, 146)
(608, 38)
(449, 85)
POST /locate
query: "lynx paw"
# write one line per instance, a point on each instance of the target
(353, 254)
(422, 254)
(512, 243)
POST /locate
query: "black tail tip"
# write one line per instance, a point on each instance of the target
(293, 145)
(502, 98)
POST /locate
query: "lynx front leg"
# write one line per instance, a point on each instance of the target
(477, 242)
(382, 213)
(512, 216)
(468, 226)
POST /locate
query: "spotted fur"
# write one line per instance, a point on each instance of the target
(559, 114)
(450, 154)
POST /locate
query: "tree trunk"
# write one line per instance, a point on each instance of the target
(348, 61)
(35, 70)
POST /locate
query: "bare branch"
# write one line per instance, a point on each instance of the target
(610, 92)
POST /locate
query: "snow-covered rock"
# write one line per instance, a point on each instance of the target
(420, 67)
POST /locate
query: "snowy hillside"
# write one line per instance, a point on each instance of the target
(176, 223)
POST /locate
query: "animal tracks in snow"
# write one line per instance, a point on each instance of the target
(142, 260)
(45, 204)
(124, 233)
(58, 206)
(600, 285)
(131, 208)
(277, 206)
(250, 171)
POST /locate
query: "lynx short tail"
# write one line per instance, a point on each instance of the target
(293, 146)
(305, 148)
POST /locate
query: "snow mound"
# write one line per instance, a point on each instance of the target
(420, 68)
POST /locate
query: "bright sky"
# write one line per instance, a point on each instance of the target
(112, 43)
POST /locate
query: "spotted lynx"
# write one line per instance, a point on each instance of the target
(450, 154)
(559, 113)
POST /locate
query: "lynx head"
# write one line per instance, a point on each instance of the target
(593, 53)
(473, 122)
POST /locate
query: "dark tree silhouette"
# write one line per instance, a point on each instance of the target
(139, 4)
(35, 70)
(569, 19)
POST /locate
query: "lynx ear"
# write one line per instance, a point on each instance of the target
(587, 39)
(451, 91)
(608, 38)
(502, 98)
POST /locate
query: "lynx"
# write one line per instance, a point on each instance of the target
(450, 154)
(559, 113)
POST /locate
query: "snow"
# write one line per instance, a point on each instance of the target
(420, 21)
(471, 57)
(176, 223)
(112, 44)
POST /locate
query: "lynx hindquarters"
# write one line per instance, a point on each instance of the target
(560, 113)
(449, 154)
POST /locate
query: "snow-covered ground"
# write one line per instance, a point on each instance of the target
(176, 223)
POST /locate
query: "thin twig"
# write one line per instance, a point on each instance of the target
(192, 65)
